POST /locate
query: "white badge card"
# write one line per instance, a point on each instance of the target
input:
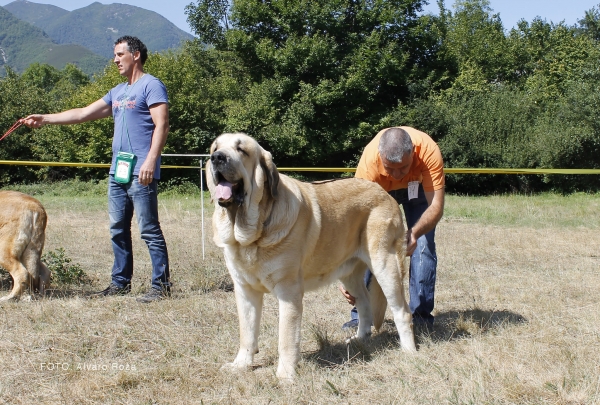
(413, 190)
(123, 169)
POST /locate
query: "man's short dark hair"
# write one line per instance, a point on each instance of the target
(395, 144)
(134, 45)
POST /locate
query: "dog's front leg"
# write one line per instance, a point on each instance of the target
(289, 295)
(249, 306)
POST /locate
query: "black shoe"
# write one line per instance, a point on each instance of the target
(111, 290)
(427, 321)
(350, 325)
(154, 294)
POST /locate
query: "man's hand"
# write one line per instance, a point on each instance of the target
(146, 174)
(411, 242)
(33, 121)
(428, 220)
(351, 300)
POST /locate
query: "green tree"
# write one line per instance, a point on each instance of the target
(89, 142)
(201, 82)
(42, 76)
(590, 23)
(71, 79)
(18, 98)
(475, 39)
(522, 100)
(323, 73)
(58, 83)
(209, 20)
(545, 57)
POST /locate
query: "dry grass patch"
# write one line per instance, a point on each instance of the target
(517, 322)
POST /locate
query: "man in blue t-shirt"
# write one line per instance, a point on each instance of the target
(141, 113)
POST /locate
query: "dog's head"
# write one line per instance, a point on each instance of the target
(239, 169)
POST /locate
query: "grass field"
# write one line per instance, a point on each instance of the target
(517, 318)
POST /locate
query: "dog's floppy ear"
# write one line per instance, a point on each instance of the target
(266, 161)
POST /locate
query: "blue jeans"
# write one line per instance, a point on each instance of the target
(123, 200)
(423, 262)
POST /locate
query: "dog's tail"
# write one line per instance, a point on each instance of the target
(378, 303)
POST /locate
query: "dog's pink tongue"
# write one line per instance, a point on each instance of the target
(224, 190)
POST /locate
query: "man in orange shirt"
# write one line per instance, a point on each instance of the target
(408, 164)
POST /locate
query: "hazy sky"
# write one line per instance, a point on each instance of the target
(510, 11)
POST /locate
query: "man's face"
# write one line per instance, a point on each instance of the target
(400, 169)
(124, 59)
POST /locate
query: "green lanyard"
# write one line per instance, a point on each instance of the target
(125, 162)
(124, 126)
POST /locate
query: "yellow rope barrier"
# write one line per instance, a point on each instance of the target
(324, 169)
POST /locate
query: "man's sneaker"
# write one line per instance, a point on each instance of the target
(352, 324)
(154, 294)
(112, 290)
(426, 321)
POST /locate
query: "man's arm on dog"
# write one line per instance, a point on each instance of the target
(428, 220)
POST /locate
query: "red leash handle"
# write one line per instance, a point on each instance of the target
(12, 129)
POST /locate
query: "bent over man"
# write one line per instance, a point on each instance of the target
(408, 164)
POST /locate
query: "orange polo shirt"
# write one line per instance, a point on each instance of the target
(427, 166)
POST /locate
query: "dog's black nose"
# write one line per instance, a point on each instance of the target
(218, 157)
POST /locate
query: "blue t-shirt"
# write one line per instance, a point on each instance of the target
(131, 112)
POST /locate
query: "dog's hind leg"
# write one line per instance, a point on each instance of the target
(20, 278)
(44, 278)
(378, 303)
(31, 258)
(389, 273)
(249, 306)
(40, 275)
(354, 283)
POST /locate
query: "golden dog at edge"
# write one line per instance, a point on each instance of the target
(22, 236)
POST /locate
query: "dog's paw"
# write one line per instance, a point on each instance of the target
(357, 337)
(286, 374)
(234, 368)
(350, 339)
(364, 336)
(407, 345)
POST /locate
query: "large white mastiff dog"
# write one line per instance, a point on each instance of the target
(284, 236)
(22, 235)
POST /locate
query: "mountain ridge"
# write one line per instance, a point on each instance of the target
(94, 27)
(22, 44)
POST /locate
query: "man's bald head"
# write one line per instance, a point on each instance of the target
(394, 145)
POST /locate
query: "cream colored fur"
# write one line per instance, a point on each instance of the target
(22, 236)
(286, 237)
